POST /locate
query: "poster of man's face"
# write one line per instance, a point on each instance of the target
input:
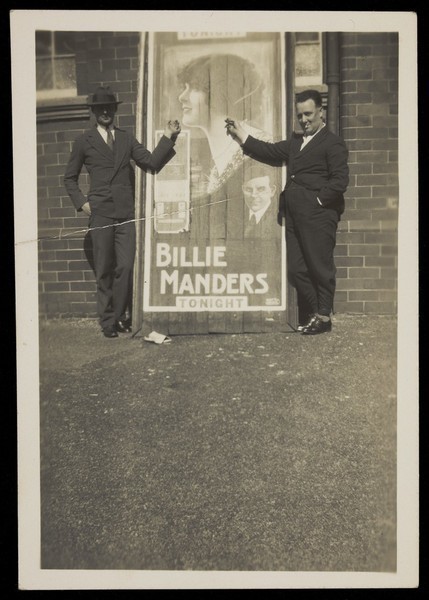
(258, 194)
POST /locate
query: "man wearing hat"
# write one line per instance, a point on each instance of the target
(107, 151)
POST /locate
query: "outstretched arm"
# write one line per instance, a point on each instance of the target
(236, 131)
(172, 130)
(164, 151)
(274, 154)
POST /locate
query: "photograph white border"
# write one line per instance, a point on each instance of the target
(23, 25)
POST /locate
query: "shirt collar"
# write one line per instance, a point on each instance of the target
(258, 214)
(103, 130)
(309, 137)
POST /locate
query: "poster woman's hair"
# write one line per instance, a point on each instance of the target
(231, 83)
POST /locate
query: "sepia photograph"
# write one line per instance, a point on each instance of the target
(216, 263)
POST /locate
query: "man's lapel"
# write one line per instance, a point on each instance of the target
(318, 138)
(97, 142)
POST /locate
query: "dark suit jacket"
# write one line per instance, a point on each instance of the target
(321, 167)
(111, 192)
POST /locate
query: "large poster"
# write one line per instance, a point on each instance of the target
(214, 239)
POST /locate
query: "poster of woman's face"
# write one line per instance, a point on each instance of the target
(205, 81)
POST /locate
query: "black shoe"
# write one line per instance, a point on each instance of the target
(301, 328)
(110, 332)
(123, 327)
(316, 326)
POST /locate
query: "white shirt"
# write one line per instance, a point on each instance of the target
(308, 138)
(103, 132)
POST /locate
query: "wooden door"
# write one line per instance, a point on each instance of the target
(213, 253)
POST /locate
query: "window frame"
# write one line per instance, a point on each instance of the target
(314, 81)
(54, 92)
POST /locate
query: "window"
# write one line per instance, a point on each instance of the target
(55, 64)
(308, 59)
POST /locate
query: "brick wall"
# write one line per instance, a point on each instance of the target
(66, 280)
(366, 254)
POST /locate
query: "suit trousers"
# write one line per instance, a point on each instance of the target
(310, 242)
(114, 246)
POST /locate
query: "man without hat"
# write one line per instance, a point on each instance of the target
(317, 178)
(107, 151)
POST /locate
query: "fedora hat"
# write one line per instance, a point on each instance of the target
(103, 95)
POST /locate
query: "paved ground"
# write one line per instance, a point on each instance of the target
(219, 452)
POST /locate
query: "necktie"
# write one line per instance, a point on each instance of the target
(110, 140)
(251, 229)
